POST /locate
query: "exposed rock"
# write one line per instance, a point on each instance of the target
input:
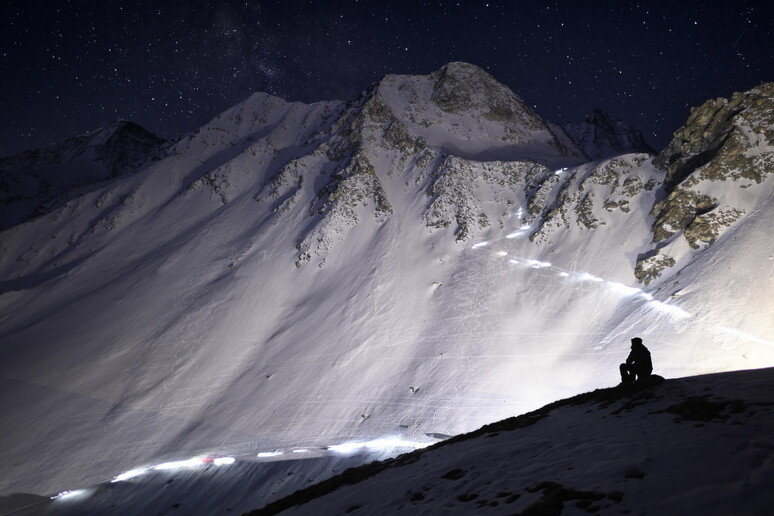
(706, 228)
(455, 187)
(32, 180)
(678, 210)
(723, 140)
(462, 87)
(601, 136)
(586, 197)
(728, 130)
(650, 268)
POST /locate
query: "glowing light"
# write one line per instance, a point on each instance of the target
(387, 443)
(68, 494)
(269, 454)
(346, 447)
(179, 464)
(515, 234)
(585, 276)
(564, 274)
(501, 253)
(623, 289)
(536, 264)
(672, 310)
(515, 262)
(129, 474)
(301, 450)
(377, 445)
(480, 244)
(224, 461)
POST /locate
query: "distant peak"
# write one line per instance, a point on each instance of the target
(602, 135)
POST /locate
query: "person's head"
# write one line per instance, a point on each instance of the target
(636, 341)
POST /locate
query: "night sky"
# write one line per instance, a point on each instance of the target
(69, 67)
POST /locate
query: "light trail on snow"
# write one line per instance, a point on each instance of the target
(585, 277)
(386, 445)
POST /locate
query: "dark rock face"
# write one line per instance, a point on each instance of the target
(31, 181)
(601, 136)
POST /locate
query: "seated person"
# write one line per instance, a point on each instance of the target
(638, 364)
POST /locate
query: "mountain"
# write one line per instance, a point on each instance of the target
(422, 260)
(692, 445)
(32, 182)
(660, 449)
(602, 136)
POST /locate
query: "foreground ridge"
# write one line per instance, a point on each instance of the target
(636, 418)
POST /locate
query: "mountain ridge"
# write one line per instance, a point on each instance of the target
(631, 409)
(225, 296)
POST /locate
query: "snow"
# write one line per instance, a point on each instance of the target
(699, 444)
(694, 445)
(162, 315)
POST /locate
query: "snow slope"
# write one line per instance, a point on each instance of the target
(689, 445)
(424, 259)
(699, 445)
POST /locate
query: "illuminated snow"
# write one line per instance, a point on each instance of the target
(69, 494)
(224, 461)
(623, 289)
(130, 474)
(377, 445)
(269, 454)
(746, 335)
(179, 464)
(672, 310)
(480, 244)
(585, 276)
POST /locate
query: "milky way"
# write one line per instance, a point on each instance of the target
(70, 67)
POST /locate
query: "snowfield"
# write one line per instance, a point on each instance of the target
(422, 260)
(699, 445)
(690, 445)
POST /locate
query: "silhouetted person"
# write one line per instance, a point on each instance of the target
(638, 365)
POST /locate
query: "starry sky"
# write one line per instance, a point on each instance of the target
(69, 67)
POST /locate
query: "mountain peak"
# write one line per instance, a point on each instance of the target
(464, 111)
(30, 181)
(601, 135)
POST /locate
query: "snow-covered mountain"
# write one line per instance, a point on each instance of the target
(425, 259)
(31, 183)
(602, 136)
(698, 445)
(689, 445)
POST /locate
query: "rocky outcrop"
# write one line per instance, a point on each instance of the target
(457, 198)
(725, 148)
(589, 198)
(650, 268)
(723, 129)
(727, 141)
